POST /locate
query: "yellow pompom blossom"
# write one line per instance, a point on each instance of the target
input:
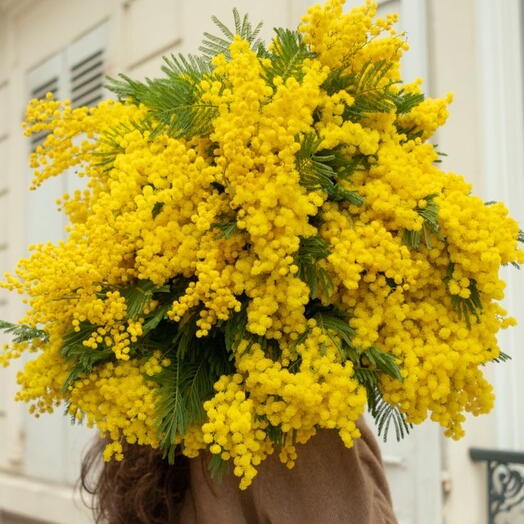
(265, 245)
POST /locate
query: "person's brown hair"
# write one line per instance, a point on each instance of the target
(142, 488)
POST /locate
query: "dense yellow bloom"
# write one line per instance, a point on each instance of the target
(216, 221)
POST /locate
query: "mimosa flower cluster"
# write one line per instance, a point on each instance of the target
(265, 245)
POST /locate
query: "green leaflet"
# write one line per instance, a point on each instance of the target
(213, 45)
(368, 365)
(430, 225)
(465, 307)
(310, 252)
(288, 52)
(22, 333)
(322, 169)
(186, 384)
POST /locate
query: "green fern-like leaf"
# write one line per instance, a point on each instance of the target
(430, 225)
(323, 169)
(213, 45)
(382, 361)
(336, 327)
(386, 416)
(83, 359)
(227, 227)
(502, 357)
(405, 102)
(185, 385)
(288, 52)
(174, 103)
(190, 66)
(157, 208)
(22, 333)
(139, 295)
(310, 252)
(218, 467)
(370, 90)
(465, 307)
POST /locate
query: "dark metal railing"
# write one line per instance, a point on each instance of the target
(505, 470)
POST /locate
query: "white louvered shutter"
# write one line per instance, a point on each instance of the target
(78, 73)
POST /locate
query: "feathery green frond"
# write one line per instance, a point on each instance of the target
(218, 467)
(213, 45)
(310, 252)
(387, 416)
(465, 307)
(139, 295)
(336, 327)
(227, 226)
(382, 361)
(83, 359)
(430, 225)
(287, 54)
(405, 101)
(174, 103)
(185, 385)
(322, 169)
(22, 333)
(502, 357)
(190, 66)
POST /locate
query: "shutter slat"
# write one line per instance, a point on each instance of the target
(87, 80)
(50, 86)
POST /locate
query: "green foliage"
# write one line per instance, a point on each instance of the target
(152, 320)
(83, 359)
(382, 361)
(186, 384)
(214, 45)
(288, 52)
(386, 415)
(139, 296)
(276, 435)
(310, 252)
(235, 329)
(110, 138)
(218, 467)
(430, 224)
(502, 357)
(369, 365)
(22, 333)
(440, 153)
(185, 340)
(183, 388)
(465, 307)
(405, 101)
(157, 208)
(193, 67)
(520, 237)
(335, 326)
(411, 133)
(174, 102)
(322, 169)
(371, 91)
(372, 362)
(227, 226)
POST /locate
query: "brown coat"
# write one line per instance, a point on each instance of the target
(330, 484)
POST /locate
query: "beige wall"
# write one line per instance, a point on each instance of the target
(32, 30)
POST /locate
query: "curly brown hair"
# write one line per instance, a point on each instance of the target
(142, 488)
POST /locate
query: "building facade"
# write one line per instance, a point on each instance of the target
(471, 47)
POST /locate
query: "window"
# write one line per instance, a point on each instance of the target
(76, 73)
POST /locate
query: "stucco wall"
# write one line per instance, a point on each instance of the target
(140, 32)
